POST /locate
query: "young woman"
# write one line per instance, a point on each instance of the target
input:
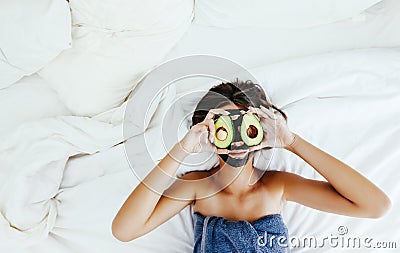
(236, 204)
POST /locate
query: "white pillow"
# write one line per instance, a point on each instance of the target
(271, 13)
(32, 34)
(252, 47)
(114, 44)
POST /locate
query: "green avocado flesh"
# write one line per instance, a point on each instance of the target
(251, 130)
(223, 131)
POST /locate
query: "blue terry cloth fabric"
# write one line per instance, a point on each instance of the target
(267, 234)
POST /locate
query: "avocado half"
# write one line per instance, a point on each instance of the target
(251, 130)
(224, 132)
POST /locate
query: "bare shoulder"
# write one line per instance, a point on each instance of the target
(278, 178)
(195, 175)
(277, 174)
(270, 176)
(273, 184)
(200, 181)
(186, 186)
(289, 184)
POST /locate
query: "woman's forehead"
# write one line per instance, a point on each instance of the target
(232, 106)
(235, 113)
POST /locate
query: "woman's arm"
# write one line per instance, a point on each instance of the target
(146, 208)
(131, 220)
(346, 192)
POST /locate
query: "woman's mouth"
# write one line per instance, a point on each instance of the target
(238, 153)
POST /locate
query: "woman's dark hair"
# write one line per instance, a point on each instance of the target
(241, 93)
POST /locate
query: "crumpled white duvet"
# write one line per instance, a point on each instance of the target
(63, 179)
(33, 159)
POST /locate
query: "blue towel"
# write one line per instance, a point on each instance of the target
(219, 235)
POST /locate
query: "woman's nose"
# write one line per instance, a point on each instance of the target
(237, 144)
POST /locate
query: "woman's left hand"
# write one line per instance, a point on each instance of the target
(276, 131)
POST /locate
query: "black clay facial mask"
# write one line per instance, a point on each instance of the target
(234, 162)
(232, 139)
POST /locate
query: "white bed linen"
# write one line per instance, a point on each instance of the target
(29, 99)
(254, 46)
(270, 13)
(345, 103)
(32, 34)
(114, 43)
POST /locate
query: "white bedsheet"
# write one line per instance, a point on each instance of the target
(345, 103)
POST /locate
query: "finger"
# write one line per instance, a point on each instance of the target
(213, 149)
(209, 115)
(256, 110)
(250, 110)
(258, 147)
(200, 126)
(213, 112)
(220, 111)
(259, 112)
(204, 138)
(211, 128)
(255, 148)
(270, 113)
(222, 151)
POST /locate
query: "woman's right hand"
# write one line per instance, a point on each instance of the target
(201, 136)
